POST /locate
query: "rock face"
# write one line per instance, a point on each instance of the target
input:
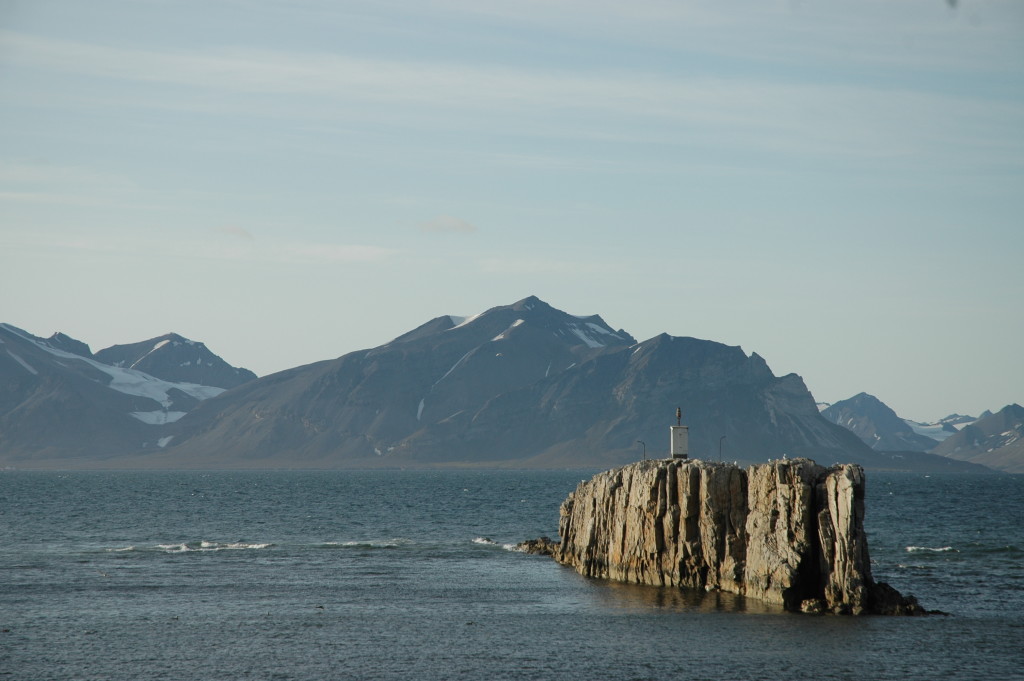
(788, 532)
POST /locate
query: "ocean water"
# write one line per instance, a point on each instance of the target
(408, 575)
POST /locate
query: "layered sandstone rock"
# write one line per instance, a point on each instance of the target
(788, 532)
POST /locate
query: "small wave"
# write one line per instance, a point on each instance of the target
(366, 544)
(922, 549)
(211, 546)
(490, 542)
(121, 549)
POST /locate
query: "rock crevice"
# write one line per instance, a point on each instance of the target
(788, 532)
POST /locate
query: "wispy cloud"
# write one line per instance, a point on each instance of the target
(235, 231)
(520, 265)
(448, 223)
(787, 117)
(326, 253)
(144, 245)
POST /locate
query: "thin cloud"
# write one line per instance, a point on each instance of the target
(266, 251)
(541, 266)
(235, 231)
(805, 118)
(333, 253)
(448, 224)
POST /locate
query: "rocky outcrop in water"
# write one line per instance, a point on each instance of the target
(788, 532)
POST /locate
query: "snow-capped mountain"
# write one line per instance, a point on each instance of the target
(62, 341)
(60, 402)
(995, 440)
(517, 385)
(943, 428)
(175, 358)
(992, 440)
(878, 426)
(520, 384)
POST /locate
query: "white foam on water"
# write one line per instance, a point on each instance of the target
(370, 544)
(490, 542)
(921, 549)
(174, 548)
(212, 546)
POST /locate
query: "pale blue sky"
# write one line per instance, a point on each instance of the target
(837, 186)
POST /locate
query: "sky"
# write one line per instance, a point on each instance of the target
(836, 186)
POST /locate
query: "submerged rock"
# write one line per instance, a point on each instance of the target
(541, 547)
(788, 532)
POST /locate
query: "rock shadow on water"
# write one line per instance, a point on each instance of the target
(626, 596)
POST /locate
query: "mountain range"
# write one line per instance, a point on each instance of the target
(59, 402)
(518, 385)
(994, 440)
(878, 426)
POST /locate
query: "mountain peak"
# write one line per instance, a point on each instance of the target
(173, 357)
(995, 440)
(532, 312)
(529, 303)
(877, 425)
(62, 341)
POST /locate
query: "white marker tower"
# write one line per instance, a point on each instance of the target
(680, 437)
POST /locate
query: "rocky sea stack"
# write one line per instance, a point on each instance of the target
(788, 532)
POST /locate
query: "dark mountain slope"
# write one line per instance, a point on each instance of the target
(62, 341)
(58, 404)
(363, 404)
(877, 425)
(603, 407)
(994, 440)
(175, 358)
(522, 384)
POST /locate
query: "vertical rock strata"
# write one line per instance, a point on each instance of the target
(788, 532)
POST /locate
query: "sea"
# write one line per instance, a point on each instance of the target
(413, 575)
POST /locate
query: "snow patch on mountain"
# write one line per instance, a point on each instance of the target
(454, 367)
(129, 381)
(590, 333)
(941, 429)
(602, 330)
(590, 341)
(501, 336)
(155, 348)
(158, 417)
(465, 320)
(28, 367)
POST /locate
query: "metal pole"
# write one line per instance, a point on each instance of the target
(644, 444)
(720, 447)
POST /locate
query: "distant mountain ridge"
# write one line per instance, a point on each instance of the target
(175, 358)
(58, 402)
(522, 384)
(877, 425)
(993, 440)
(517, 385)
